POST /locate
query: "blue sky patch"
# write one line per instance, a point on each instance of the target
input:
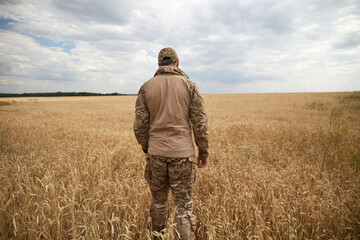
(66, 45)
(151, 53)
(6, 23)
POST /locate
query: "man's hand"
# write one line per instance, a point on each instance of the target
(202, 162)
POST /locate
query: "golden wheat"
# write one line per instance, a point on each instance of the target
(282, 166)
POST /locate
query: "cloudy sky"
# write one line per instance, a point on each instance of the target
(225, 46)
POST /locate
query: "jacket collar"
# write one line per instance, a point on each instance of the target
(170, 70)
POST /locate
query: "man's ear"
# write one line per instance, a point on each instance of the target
(177, 63)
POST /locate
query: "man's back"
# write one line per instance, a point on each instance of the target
(167, 107)
(168, 100)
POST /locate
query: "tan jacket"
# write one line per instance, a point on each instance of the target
(167, 107)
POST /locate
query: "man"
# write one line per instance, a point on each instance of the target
(168, 108)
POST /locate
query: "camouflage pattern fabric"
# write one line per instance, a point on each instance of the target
(167, 56)
(142, 120)
(197, 113)
(179, 174)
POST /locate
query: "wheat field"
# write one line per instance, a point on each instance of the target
(281, 166)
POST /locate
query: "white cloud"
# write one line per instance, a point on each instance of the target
(225, 46)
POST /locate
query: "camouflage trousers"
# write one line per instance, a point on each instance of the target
(179, 175)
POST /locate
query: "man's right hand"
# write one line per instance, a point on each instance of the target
(202, 162)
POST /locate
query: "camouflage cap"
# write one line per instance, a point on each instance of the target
(167, 56)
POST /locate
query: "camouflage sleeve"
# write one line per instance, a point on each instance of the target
(142, 119)
(199, 121)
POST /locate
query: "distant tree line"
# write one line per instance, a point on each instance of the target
(60, 94)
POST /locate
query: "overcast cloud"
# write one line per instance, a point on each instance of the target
(225, 46)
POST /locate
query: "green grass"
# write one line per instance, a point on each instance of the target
(4, 103)
(351, 101)
(355, 96)
(316, 106)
